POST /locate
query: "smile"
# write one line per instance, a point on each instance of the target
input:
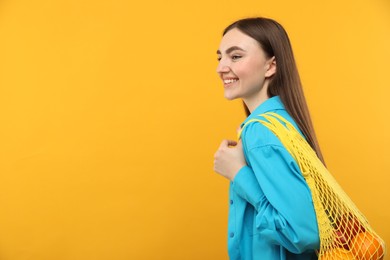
(228, 81)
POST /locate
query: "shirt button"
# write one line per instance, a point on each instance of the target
(231, 234)
(231, 202)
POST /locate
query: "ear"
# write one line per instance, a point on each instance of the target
(271, 67)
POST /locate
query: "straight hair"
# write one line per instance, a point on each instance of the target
(285, 83)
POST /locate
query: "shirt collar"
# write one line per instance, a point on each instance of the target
(271, 104)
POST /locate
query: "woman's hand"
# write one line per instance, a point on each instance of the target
(229, 158)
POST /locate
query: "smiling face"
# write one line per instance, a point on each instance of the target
(244, 68)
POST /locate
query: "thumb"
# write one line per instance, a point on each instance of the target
(227, 143)
(232, 143)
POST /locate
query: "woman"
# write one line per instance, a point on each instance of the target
(271, 214)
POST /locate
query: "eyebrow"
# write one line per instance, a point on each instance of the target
(231, 49)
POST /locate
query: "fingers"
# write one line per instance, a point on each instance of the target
(225, 144)
(228, 160)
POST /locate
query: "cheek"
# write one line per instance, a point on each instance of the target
(243, 71)
(252, 76)
(253, 69)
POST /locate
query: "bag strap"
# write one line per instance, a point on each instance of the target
(269, 122)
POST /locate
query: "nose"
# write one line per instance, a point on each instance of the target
(222, 66)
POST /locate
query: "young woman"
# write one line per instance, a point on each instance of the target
(271, 214)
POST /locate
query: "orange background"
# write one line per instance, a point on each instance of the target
(111, 112)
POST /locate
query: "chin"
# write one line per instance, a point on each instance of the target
(231, 97)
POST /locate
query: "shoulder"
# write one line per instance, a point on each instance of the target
(257, 135)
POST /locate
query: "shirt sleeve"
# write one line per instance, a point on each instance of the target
(274, 185)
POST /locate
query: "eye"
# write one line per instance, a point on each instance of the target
(219, 58)
(236, 57)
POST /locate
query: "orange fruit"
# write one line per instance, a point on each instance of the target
(349, 226)
(366, 246)
(337, 254)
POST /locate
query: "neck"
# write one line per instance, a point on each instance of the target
(253, 102)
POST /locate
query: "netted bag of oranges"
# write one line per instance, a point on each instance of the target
(343, 230)
(352, 240)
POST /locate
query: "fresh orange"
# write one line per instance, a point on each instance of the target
(349, 226)
(366, 246)
(337, 254)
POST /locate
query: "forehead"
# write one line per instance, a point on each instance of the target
(235, 37)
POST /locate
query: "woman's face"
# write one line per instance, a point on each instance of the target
(243, 66)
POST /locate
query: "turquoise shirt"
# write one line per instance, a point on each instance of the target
(271, 213)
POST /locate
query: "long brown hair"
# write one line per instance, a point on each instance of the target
(286, 83)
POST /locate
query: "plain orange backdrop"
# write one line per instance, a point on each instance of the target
(111, 112)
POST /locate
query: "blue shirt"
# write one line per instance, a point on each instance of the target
(271, 213)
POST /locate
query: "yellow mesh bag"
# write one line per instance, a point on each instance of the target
(343, 230)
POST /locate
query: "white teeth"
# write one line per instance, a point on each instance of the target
(227, 81)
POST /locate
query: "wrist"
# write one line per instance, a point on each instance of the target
(237, 170)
